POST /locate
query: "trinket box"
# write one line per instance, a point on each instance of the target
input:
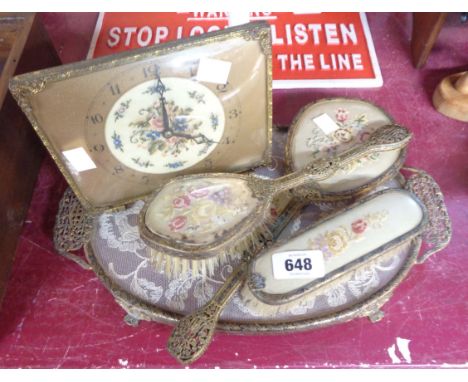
(330, 126)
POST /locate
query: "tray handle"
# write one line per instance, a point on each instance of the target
(72, 228)
(438, 231)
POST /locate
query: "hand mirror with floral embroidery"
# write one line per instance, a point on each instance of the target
(201, 219)
(122, 125)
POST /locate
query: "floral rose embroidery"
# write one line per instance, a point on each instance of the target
(336, 241)
(199, 211)
(181, 201)
(359, 226)
(364, 136)
(349, 131)
(119, 113)
(341, 115)
(157, 124)
(343, 135)
(199, 193)
(222, 196)
(177, 223)
(173, 140)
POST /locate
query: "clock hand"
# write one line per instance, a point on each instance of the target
(198, 138)
(166, 124)
(168, 131)
(161, 89)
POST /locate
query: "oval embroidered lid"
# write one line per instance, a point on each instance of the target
(331, 126)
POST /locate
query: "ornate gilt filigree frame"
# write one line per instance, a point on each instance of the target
(26, 85)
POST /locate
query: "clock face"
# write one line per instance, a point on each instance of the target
(164, 126)
(142, 117)
(155, 120)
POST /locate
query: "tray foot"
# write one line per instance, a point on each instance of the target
(131, 320)
(376, 316)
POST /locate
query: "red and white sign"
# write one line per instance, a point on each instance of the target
(310, 50)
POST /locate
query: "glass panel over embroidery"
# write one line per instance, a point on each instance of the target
(347, 237)
(201, 210)
(154, 137)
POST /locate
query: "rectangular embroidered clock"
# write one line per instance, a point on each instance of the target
(310, 50)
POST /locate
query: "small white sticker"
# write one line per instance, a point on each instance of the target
(238, 18)
(213, 70)
(326, 123)
(79, 159)
(307, 264)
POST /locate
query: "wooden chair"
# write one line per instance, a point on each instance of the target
(24, 47)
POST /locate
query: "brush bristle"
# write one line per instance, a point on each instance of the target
(174, 266)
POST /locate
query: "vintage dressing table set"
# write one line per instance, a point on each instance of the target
(185, 215)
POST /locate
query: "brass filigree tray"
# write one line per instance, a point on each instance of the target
(138, 304)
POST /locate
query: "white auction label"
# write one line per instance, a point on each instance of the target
(213, 71)
(326, 123)
(239, 17)
(307, 264)
(79, 159)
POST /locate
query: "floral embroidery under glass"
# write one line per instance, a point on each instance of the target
(119, 113)
(200, 211)
(351, 131)
(334, 242)
(144, 137)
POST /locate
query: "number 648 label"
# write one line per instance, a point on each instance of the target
(298, 265)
